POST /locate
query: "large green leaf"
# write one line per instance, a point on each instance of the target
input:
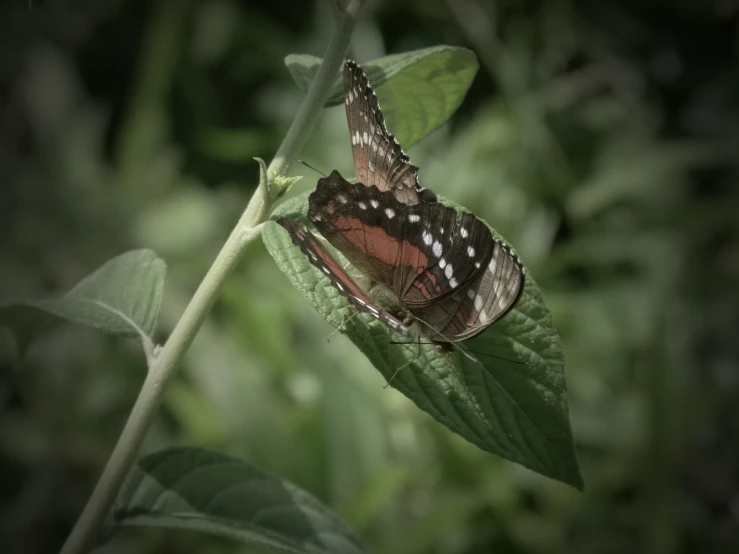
(425, 86)
(513, 404)
(189, 488)
(122, 297)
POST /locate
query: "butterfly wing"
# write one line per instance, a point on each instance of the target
(378, 158)
(356, 221)
(421, 252)
(460, 248)
(471, 310)
(346, 286)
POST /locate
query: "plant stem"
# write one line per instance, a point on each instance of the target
(248, 228)
(318, 93)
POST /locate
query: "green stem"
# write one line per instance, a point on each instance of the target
(317, 94)
(248, 228)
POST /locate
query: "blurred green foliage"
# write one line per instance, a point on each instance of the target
(599, 138)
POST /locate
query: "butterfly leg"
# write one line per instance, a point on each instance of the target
(352, 275)
(409, 362)
(347, 320)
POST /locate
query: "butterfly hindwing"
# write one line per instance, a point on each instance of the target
(341, 281)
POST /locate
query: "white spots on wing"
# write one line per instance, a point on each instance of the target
(366, 138)
(414, 218)
(484, 315)
(427, 238)
(339, 286)
(449, 271)
(441, 230)
(325, 270)
(477, 265)
(470, 251)
(350, 96)
(312, 256)
(502, 302)
(470, 294)
(464, 233)
(362, 205)
(370, 165)
(436, 248)
(478, 303)
(442, 263)
(341, 198)
(374, 203)
(357, 138)
(453, 282)
(390, 213)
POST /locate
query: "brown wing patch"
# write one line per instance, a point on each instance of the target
(341, 281)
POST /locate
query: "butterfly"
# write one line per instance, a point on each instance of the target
(429, 262)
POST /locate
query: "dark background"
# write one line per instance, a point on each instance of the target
(600, 138)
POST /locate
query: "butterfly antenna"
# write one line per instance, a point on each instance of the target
(454, 345)
(409, 362)
(497, 357)
(306, 164)
(471, 351)
(463, 350)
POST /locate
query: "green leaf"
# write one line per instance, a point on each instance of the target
(189, 488)
(513, 404)
(425, 86)
(122, 297)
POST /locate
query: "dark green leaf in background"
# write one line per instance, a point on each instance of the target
(513, 404)
(189, 488)
(426, 86)
(122, 297)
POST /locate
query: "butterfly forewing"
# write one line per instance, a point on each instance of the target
(459, 249)
(356, 222)
(469, 311)
(378, 158)
(346, 286)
